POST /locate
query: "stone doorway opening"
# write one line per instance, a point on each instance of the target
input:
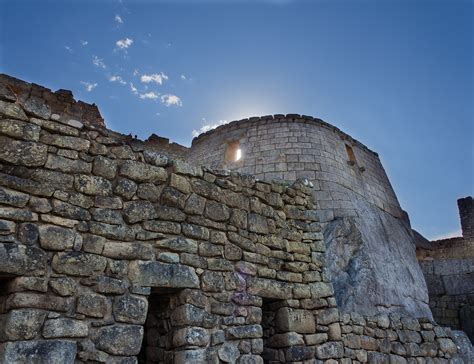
(157, 346)
(270, 354)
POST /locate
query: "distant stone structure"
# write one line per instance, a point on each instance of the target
(115, 250)
(448, 266)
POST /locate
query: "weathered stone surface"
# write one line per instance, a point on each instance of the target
(23, 324)
(285, 340)
(53, 237)
(63, 286)
(244, 332)
(155, 158)
(40, 301)
(135, 211)
(192, 336)
(64, 141)
(190, 315)
(300, 321)
(330, 350)
(12, 110)
(13, 198)
(104, 167)
(268, 288)
(130, 309)
(257, 224)
(38, 352)
(36, 107)
(120, 339)
(64, 327)
(21, 259)
(216, 211)
(156, 274)
(78, 263)
(92, 185)
(229, 352)
(93, 305)
(67, 165)
(142, 172)
(128, 251)
(29, 154)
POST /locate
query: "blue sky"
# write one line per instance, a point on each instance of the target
(396, 75)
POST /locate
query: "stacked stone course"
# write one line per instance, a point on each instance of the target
(111, 252)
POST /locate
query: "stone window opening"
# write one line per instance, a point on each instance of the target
(157, 345)
(350, 154)
(233, 152)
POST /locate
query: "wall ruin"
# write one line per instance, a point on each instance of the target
(103, 241)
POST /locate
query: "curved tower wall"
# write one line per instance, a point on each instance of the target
(370, 246)
(287, 148)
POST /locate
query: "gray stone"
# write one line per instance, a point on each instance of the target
(93, 305)
(156, 274)
(53, 237)
(130, 309)
(142, 172)
(38, 352)
(135, 211)
(37, 107)
(119, 339)
(257, 224)
(13, 198)
(190, 336)
(190, 315)
(104, 167)
(63, 286)
(269, 288)
(21, 259)
(67, 165)
(23, 324)
(11, 110)
(229, 352)
(16, 152)
(65, 141)
(155, 158)
(290, 319)
(128, 251)
(216, 211)
(92, 185)
(125, 188)
(244, 332)
(64, 327)
(330, 350)
(78, 263)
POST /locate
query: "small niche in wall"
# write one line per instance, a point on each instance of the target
(233, 152)
(350, 154)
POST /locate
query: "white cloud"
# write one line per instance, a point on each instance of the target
(118, 79)
(183, 77)
(124, 43)
(149, 95)
(118, 19)
(84, 42)
(133, 89)
(89, 86)
(209, 126)
(135, 72)
(155, 77)
(171, 100)
(69, 49)
(98, 62)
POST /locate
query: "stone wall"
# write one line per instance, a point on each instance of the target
(448, 266)
(112, 252)
(370, 243)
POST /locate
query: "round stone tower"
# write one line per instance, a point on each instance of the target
(370, 245)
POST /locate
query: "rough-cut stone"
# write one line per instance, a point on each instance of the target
(300, 321)
(330, 350)
(135, 211)
(21, 259)
(23, 324)
(156, 274)
(78, 263)
(130, 309)
(16, 152)
(38, 351)
(36, 107)
(92, 185)
(13, 198)
(192, 336)
(53, 237)
(142, 172)
(64, 327)
(120, 339)
(93, 305)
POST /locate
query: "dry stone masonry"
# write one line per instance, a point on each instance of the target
(114, 250)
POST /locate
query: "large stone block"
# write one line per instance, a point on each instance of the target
(92, 185)
(65, 327)
(290, 319)
(22, 324)
(29, 154)
(269, 288)
(53, 237)
(12, 110)
(142, 172)
(119, 339)
(156, 274)
(191, 336)
(20, 259)
(189, 315)
(78, 263)
(130, 309)
(38, 352)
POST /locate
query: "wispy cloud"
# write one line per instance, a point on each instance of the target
(98, 62)
(118, 19)
(84, 42)
(183, 77)
(171, 100)
(133, 89)
(149, 95)
(89, 86)
(69, 49)
(155, 77)
(124, 43)
(118, 79)
(208, 126)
